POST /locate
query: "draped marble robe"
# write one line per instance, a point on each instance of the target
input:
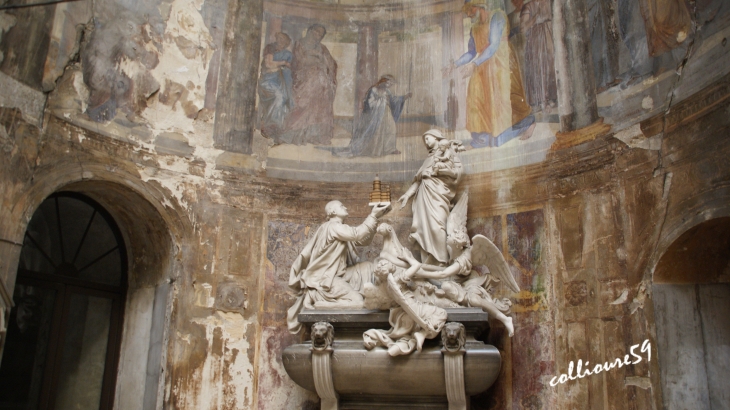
(431, 207)
(326, 272)
(410, 324)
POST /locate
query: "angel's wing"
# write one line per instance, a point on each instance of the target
(484, 252)
(457, 216)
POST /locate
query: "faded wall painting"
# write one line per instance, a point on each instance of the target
(342, 90)
(357, 94)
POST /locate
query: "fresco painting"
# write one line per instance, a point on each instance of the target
(276, 98)
(541, 88)
(314, 74)
(348, 87)
(497, 79)
(497, 110)
(375, 133)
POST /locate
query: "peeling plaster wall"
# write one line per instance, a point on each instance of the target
(579, 233)
(582, 228)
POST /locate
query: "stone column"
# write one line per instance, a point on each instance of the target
(235, 115)
(573, 66)
(367, 64)
(453, 88)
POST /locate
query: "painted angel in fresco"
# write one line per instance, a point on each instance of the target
(496, 108)
(314, 82)
(275, 86)
(374, 133)
(433, 190)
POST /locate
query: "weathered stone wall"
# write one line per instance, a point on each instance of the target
(212, 234)
(581, 233)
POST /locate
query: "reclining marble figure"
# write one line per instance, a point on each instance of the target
(414, 319)
(459, 282)
(416, 292)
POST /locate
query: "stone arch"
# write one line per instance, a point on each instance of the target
(153, 234)
(710, 205)
(691, 302)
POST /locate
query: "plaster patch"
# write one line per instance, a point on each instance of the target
(226, 377)
(640, 382)
(81, 89)
(30, 102)
(638, 302)
(647, 103)
(634, 137)
(203, 294)
(622, 298)
(187, 66)
(7, 21)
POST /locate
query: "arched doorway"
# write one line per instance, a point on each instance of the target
(691, 294)
(64, 332)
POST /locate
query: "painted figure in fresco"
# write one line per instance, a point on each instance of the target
(497, 110)
(434, 189)
(536, 23)
(325, 275)
(314, 75)
(275, 86)
(668, 24)
(604, 47)
(633, 34)
(111, 89)
(374, 134)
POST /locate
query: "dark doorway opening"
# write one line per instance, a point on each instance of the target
(64, 332)
(691, 294)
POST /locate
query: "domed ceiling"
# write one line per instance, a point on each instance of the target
(344, 89)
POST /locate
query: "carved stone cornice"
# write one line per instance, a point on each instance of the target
(689, 109)
(376, 11)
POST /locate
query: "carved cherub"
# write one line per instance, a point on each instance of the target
(444, 155)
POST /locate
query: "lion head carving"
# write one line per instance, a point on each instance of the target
(322, 335)
(453, 336)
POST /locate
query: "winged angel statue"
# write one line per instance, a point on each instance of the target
(417, 292)
(326, 276)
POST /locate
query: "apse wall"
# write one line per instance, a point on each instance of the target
(162, 74)
(171, 99)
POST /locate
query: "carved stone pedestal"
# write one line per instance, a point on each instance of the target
(347, 376)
